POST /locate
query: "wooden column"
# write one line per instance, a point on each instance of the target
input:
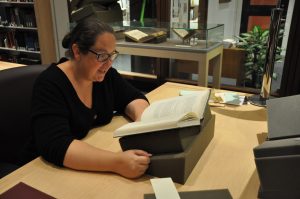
(42, 9)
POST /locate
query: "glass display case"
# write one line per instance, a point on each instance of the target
(175, 34)
(160, 40)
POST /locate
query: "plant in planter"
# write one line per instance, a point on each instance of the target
(255, 44)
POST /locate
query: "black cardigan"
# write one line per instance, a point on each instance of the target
(59, 116)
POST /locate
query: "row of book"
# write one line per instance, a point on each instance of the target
(21, 59)
(21, 1)
(19, 40)
(15, 16)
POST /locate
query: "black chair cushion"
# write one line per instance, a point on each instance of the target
(6, 168)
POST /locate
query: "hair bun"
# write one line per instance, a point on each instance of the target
(66, 41)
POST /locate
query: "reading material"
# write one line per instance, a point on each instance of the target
(139, 36)
(221, 97)
(22, 190)
(164, 188)
(176, 112)
(183, 33)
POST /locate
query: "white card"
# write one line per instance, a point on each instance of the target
(164, 188)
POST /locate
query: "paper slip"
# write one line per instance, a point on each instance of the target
(231, 98)
(219, 98)
(211, 102)
(186, 92)
(164, 188)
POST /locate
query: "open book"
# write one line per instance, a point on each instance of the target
(183, 33)
(140, 36)
(176, 112)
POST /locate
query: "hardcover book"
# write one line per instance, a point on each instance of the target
(175, 121)
(176, 112)
(183, 33)
(22, 190)
(142, 37)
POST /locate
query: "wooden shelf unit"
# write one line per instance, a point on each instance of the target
(27, 40)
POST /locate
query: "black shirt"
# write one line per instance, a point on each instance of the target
(59, 116)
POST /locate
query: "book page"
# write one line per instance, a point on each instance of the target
(171, 113)
(164, 188)
(156, 125)
(146, 126)
(180, 105)
(181, 32)
(231, 98)
(137, 34)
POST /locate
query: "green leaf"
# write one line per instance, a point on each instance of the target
(249, 64)
(242, 39)
(255, 44)
(265, 33)
(246, 35)
(275, 76)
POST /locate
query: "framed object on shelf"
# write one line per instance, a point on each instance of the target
(180, 13)
(18, 33)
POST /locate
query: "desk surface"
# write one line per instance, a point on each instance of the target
(7, 65)
(228, 161)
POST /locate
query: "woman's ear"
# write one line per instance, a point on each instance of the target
(76, 52)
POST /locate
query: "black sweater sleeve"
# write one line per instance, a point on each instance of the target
(124, 93)
(49, 122)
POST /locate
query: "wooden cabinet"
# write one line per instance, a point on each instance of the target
(26, 32)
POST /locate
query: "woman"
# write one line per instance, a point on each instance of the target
(71, 97)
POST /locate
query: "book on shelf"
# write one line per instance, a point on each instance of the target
(17, 17)
(176, 112)
(142, 37)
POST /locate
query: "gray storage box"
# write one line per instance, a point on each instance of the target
(178, 166)
(283, 117)
(165, 141)
(278, 167)
(203, 194)
(278, 159)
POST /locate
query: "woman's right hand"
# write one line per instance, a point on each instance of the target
(132, 163)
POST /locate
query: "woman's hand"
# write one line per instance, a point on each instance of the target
(132, 163)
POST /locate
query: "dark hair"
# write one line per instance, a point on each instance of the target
(84, 34)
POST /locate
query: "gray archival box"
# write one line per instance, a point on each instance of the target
(278, 159)
(283, 117)
(175, 151)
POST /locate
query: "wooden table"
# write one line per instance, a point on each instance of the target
(205, 57)
(228, 161)
(7, 65)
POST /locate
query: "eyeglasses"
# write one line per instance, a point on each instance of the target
(103, 57)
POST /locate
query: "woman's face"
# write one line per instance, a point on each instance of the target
(93, 68)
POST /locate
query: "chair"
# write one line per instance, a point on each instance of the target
(16, 89)
(278, 158)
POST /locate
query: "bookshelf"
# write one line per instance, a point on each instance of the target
(25, 32)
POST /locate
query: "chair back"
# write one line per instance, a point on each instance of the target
(16, 86)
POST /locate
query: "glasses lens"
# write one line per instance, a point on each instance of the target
(113, 56)
(103, 57)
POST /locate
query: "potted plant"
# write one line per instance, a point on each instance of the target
(255, 44)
